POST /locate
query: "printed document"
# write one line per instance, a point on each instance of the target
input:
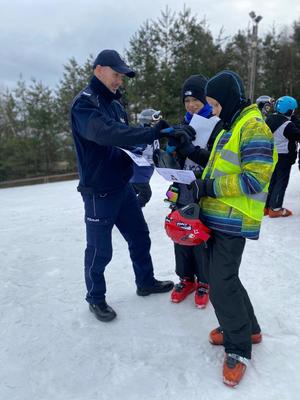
(177, 175)
(203, 127)
(138, 159)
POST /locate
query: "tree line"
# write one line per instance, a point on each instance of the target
(35, 137)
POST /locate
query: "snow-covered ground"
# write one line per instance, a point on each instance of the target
(53, 348)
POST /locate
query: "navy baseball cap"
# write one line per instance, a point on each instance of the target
(112, 59)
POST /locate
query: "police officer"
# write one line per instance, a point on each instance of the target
(99, 126)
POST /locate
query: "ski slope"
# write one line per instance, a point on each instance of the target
(53, 348)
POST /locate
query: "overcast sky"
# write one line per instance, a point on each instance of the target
(38, 36)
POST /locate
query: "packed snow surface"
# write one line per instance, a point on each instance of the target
(53, 348)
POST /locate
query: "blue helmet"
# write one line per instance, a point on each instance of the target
(286, 105)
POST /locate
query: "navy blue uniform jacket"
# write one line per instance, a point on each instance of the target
(99, 124)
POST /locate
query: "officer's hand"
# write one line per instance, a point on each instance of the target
(178, 136)
(183, 133)
(202, 188)
(161, 124)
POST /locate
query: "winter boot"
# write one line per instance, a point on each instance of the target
(158, 287)
(182, 290)
(234, 368)
(201, 295)
(216, 337)
(103, 312)
(282, 212)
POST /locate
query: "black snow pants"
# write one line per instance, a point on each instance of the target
(279, 182)
(231, 302)
(189, 262)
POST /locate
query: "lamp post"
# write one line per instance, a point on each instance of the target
(252, 73)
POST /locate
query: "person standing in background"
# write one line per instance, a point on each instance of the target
(265, 104)
(286, 137)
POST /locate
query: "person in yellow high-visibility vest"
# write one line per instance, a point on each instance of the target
(232, 193)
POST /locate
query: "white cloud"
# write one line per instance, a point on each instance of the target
(38, 36)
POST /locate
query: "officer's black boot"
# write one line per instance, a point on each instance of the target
(158, 287)
(103, 311)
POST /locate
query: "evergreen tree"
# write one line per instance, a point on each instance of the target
(270, 50)
(296, 50)
(237, 55)
(75, 78)
(165, 53)
(35, 136)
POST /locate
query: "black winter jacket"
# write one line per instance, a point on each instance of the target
(99, 124)
(291, 132)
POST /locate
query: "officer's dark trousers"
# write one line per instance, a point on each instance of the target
(279, 182)
(189, 262)
(232, 305)
(102, 212)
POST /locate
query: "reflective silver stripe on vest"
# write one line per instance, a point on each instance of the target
(262, 196)
(230, 156)
(217, 173)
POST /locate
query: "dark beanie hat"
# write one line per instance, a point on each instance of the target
(227, 88)
(194, 86)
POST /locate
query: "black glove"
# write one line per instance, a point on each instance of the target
(195, 153)
(185, 149)
(202, 188)
(183, 134)
(162, 124)
(178, 135)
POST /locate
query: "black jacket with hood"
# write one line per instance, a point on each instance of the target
(291, 132)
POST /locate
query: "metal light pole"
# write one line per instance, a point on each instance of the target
(252, 73)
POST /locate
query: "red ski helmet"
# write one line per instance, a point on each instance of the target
(184, 227)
